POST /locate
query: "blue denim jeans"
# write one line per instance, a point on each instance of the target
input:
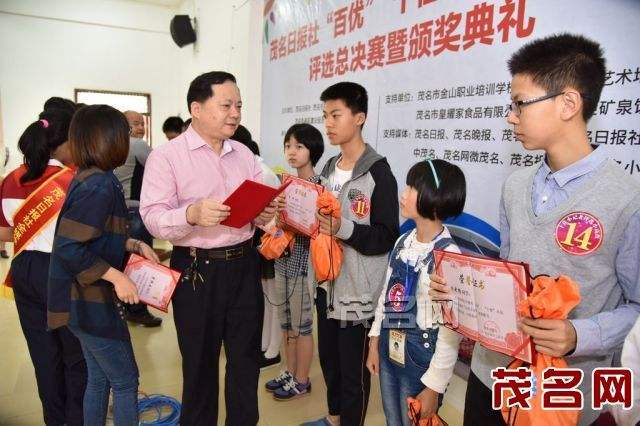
(398, 383)
(110, 365)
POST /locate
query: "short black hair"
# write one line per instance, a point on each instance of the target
(173, 124)
(308, 136)
(243, 135)
(200, 88)
(56, 102)
(99, 137)
(352, 94)
(186, 124)
(562, 60)
(443, 201)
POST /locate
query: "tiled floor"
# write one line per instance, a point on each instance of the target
(159, 362)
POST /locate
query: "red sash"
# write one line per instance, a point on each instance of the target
(34, 214)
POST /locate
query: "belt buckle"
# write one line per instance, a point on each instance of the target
(193, 251)
(233, 253)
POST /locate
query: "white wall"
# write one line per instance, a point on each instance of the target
(50, 47)
(97, 44)
(229, 37)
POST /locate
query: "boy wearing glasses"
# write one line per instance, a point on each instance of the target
(576, 214)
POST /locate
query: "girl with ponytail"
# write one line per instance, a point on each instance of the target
(43, 140)
(31, 197)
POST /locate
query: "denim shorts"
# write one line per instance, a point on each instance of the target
(294, 304)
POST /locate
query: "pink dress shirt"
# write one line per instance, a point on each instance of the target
(181, 172)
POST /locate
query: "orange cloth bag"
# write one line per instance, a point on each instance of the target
(274, 243)
(415, 406)
(326, 252)
(551, 298)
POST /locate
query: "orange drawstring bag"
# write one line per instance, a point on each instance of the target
(326, 253)
(274, 243)
(551, 298)
(415, 406)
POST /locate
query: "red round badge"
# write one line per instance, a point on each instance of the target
(360, 206)
(396, 296)
(579, 233)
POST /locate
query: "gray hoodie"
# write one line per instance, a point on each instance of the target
(368, 230)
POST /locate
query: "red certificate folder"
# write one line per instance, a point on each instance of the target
(486, 293)
(155, 283)
(248, 201)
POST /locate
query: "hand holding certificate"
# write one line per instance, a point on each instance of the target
(486, 294)
(300, 205)
(155, 283)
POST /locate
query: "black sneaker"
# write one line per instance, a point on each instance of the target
(145, 319)
(278, 382)
(269, 362)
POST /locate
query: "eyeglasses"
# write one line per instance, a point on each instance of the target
(516, 106)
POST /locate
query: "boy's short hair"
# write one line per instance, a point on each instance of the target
(308, 136)
(99, 137)
(438, 202)
(173, 124)
(563, 60)
(200, 88)
(352, 94)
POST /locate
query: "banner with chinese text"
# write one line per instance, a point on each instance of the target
(438, 84)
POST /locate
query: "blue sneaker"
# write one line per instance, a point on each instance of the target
(292, 390)
(279, 381)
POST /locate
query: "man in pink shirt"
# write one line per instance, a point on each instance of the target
(219, 295)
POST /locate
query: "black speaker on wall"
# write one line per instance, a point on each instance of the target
(182, 31)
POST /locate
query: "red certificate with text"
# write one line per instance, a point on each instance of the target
(155, 283)
(486, 293)
(300, 209)
(248, 201)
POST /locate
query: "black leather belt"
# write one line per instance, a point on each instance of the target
(223, 253)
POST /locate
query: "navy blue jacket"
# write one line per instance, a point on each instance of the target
(91, 234)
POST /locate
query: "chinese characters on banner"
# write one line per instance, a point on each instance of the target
(447, 33)
(438, 84)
